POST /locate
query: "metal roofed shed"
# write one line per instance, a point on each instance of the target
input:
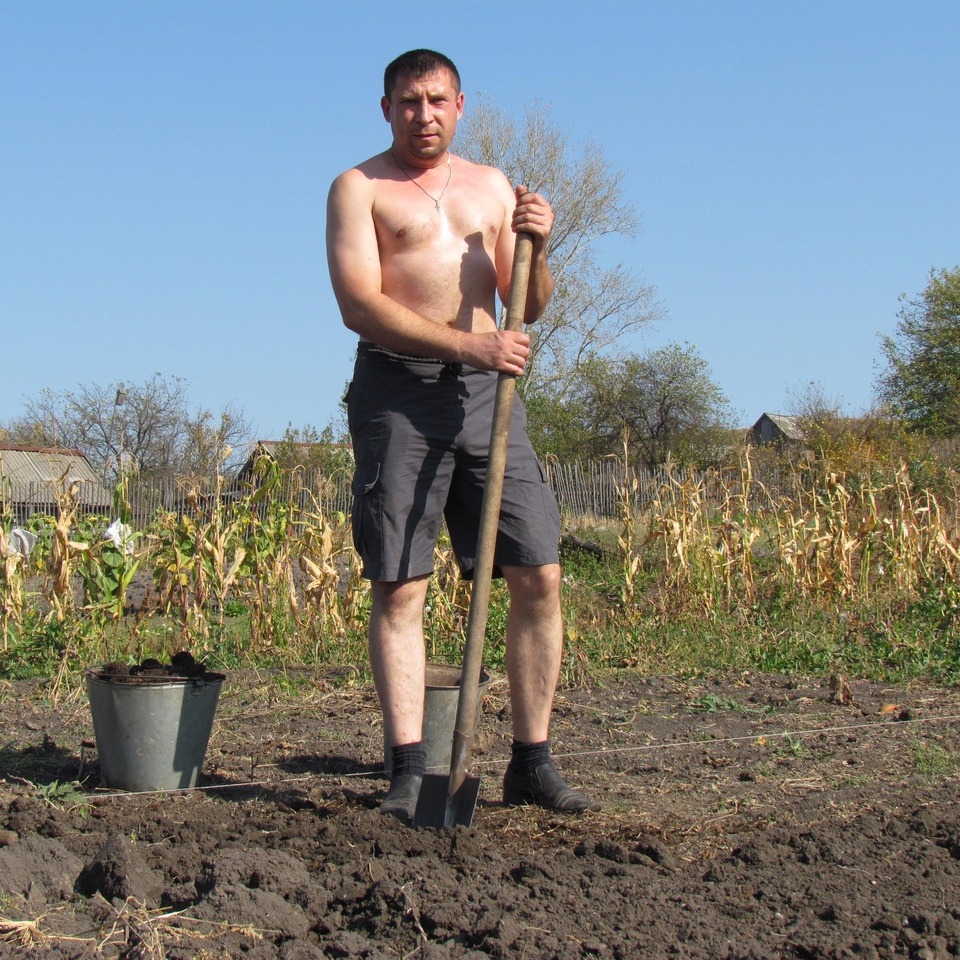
(29, 478)
(777, 428)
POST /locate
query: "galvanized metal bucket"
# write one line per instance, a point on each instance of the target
(152, 735)
(439, 715)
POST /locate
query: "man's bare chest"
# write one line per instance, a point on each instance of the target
(408, 220)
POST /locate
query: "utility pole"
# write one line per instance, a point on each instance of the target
(118, 401)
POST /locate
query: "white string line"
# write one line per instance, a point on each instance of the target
(671, 745)
(875, 725)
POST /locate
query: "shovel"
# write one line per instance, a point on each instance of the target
(447, 801)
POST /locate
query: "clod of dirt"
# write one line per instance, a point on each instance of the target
(184, 664)
(656, 851)
(297, 950)
(115, 669)
(119, 872)
(270, 888)
(38, 870)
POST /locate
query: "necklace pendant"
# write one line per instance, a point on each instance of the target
(419, 186)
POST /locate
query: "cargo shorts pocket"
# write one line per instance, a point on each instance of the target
(365, 517)
(365, 478)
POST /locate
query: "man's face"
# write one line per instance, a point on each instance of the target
(423, 114)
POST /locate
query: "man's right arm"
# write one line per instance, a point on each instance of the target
(353, 257)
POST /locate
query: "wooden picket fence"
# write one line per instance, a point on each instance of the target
(584, 489)
(600, 488)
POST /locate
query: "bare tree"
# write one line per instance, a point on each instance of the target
(593, 306)
(143, 429)
(212, 442)
(812, 404)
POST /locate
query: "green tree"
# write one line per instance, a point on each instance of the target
(921, 381)
(665, 401)
(324, 451)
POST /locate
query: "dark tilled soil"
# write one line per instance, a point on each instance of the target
(749, 817)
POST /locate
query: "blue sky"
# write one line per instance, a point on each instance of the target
(164, 169)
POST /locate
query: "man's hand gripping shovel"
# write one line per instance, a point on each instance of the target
(447, 801)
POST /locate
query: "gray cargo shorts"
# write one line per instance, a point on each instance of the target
(421, 434)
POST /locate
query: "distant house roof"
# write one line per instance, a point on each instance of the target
(29, 473)
(268, 447)
(777, 428)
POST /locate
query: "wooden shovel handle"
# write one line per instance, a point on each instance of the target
(489, 521)
(519, 283)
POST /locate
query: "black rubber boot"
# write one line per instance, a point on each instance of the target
(544, 787)
(409, 764)
(401, 798)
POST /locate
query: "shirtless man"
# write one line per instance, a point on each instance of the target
(419, 243)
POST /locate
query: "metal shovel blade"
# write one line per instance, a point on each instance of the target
(437, 808)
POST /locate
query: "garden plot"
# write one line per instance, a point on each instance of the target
(754, 816)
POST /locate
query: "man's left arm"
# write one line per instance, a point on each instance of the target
(531, 214)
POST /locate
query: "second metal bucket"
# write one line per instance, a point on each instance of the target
(439, 715)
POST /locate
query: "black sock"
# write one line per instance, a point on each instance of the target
(409, 758)
(526, 757)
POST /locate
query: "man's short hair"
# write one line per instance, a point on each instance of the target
(417, 63)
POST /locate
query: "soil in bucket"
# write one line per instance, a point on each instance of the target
(152, 721)
(439, 715)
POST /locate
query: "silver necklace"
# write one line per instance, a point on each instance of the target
(436, 200)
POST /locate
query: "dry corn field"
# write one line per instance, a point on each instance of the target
(725, 542)
(702, 544)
